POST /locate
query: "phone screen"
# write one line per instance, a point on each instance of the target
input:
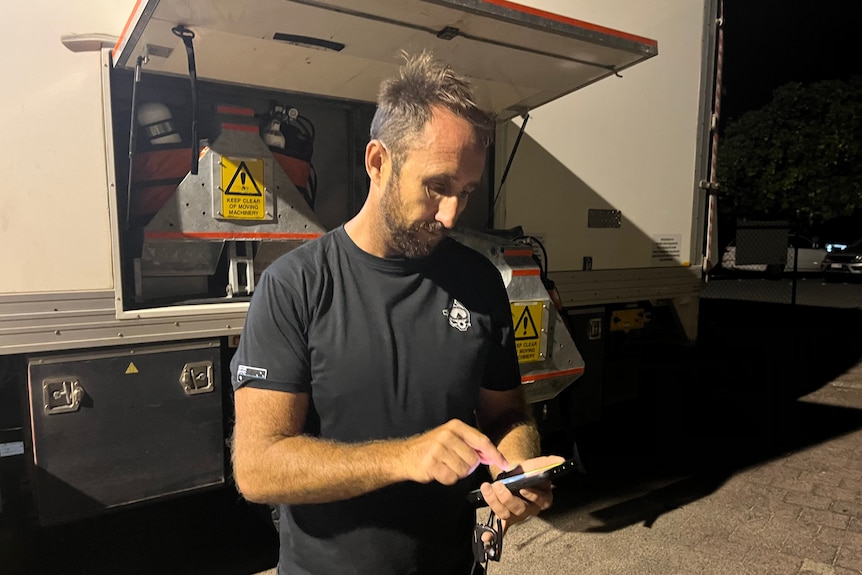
(536, 474)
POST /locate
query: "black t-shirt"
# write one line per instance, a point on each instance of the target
(386, 348)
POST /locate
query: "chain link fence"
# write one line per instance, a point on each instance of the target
(769, 262)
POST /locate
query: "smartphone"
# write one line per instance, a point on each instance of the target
(526, 479)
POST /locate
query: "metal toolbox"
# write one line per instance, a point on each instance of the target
(124, 425)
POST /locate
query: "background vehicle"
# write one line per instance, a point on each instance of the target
(207, 139)
(810, 257)
(844, 263)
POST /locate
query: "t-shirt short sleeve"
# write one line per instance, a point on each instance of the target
(273, 350)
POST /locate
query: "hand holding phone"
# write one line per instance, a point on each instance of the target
(526, 479)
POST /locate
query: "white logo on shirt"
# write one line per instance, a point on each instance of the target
(459, 316)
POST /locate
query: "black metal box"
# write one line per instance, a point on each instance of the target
(120, 426)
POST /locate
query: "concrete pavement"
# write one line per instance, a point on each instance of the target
(744, 458)
(796, 513)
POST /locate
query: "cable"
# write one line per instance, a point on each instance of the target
(543, 265)
(308, 126)
(312, 186)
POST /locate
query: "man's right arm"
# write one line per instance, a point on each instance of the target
(274, 463)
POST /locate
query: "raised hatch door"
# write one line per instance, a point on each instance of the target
(517, 57)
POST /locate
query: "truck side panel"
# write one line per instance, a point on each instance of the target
(54, 219)
(608, 176)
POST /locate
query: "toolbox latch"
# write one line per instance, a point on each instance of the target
(197, 377)
(62, 395)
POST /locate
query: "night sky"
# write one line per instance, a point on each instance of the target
(770, 42)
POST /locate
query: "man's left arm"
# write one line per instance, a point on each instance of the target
(504, 416)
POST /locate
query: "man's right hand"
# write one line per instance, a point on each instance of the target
(448, 453)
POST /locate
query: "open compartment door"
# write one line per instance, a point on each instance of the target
(517, 57)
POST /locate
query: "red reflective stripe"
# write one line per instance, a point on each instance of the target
(571, 21)
(227, 236)
(517, 253)
(526, 272)
(549, 375)
(234, 110)
(240, 127)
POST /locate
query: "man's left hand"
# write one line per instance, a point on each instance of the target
(513, 508)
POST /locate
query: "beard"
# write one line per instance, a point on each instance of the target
(410, 240)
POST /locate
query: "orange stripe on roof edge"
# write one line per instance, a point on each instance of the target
(549, 375)
(571, 21)
(125, 30)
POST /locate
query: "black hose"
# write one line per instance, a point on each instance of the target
(543, 265)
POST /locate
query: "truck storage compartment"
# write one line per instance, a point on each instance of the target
(124, 425)
(200, 228)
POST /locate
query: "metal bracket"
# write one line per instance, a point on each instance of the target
(62, 395)
(240, 268)
(197, 378)
(710, 187)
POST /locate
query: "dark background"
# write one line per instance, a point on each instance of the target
(768, 43)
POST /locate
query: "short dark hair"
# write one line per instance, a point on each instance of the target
(405, 103)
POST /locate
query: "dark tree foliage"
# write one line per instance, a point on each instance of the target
(799, 158)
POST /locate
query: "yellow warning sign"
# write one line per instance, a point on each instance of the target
(242, 184)
(527, 319)
(132, 368)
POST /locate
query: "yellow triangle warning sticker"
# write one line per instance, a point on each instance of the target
(244, 181)
(525, 328)
(527, 319)
(132, 368)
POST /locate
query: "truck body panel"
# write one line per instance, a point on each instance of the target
(621, 162)
(84, 289)
(54, 211)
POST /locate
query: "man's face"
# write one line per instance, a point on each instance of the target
(441, 170)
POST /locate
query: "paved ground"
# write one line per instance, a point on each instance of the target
(750, 463)
(798, 512)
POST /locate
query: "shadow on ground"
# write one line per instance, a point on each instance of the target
(206, 533)
(706, 412)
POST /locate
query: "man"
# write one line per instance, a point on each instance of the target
(372, 357)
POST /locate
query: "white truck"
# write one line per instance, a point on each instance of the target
(617, 179)
(159, 154)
